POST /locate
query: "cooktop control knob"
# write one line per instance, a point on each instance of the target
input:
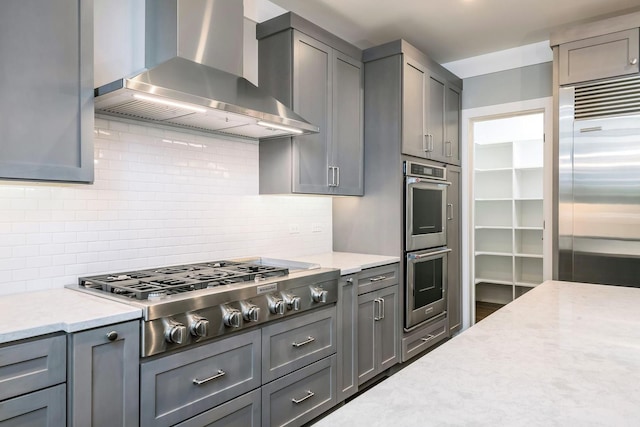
(292, 301)
(175, 333)
(250, 312)
(276, 305)
(319, 294)
(199, 327)
(232, 317)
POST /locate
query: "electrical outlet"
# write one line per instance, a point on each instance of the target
(316, 228)
(294, 229)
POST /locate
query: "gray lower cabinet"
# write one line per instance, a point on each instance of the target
(32, 377)
(609, 55)
(320, 77)
(104, 376)
(300, 396)
(243, 411)
(418, 341)
(347, 350)
(454, 262)
(44, 408)
(378, 332)
(47, 90)
(179, 386)
(294, 343)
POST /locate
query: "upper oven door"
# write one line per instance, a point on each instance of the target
(425, 213)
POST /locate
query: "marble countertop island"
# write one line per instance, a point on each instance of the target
(564, 354)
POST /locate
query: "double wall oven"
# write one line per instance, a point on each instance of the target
(425, 240)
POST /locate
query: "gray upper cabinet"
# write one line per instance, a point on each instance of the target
(320, 77)
(47, 90)
(103, 379)
(610, 55)
(430, 114)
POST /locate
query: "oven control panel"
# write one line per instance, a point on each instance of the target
(424, 171)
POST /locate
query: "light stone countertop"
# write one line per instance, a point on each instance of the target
(32, 314)
(347, 262)
(564, 354)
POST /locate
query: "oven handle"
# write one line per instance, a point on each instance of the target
(429, 254)
(413, 180)
(220, 373)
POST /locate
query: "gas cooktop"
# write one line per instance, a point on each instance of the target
(161, 282)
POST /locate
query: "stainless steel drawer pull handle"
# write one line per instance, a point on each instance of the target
(377, 279)
(220, 373)
(309, 340)
(428, 339)
(633, 61)
(309, 394)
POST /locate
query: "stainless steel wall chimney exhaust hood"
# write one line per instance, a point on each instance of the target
(193, 52)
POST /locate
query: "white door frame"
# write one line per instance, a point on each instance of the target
(494, 111)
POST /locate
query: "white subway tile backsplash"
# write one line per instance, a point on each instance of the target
(159, 197)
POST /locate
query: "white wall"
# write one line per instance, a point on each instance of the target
(160, 197)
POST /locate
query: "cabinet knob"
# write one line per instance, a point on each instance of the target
(633, 61)
(112, 336)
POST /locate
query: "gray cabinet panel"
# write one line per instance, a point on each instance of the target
(423, 338)
(103, 376)
(47, 90)
(378, 332)
(610, 55)
(311, 99)
(294, 343)
(376, 278)
(45, 408)
(243, 411)
(169, 393)
(347, 141)
(453, 106)
(454, 264)
(300, 396)
(32, 365)
(414, 136)
(435, 117)
(347, 351)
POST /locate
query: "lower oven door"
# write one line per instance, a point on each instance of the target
(426, 285)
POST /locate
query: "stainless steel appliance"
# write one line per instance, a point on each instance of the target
(426, 285)
(425, 206)
(599, 183)
(187, 304)
(425, 239)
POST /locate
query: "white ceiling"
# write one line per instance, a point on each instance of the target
(450, 30)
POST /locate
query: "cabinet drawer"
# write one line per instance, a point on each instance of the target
(376, 278)
(243, 411)
(300, 396)
(294, 343)
(610, 55)
(169, 392)
(422, 339)
(46, 408)
(32, 365)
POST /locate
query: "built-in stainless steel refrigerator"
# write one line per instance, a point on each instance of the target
(599, 183)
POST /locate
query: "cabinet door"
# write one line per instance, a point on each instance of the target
(452, 117)
(414, 140)
(366, 336)
(47, 90)
(347, 337)
(312, 97)
(610, 55)
(104, 380)
(435, 118)
(388, 328)
(45, 408)
(454, 285)
(347, 138)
